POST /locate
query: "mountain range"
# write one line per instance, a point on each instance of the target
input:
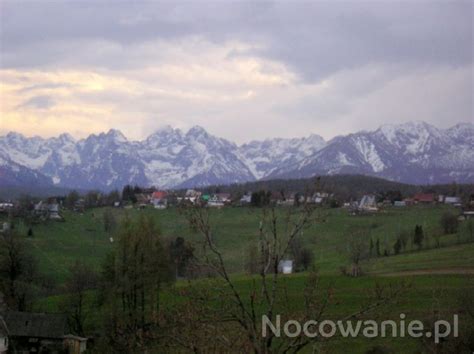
(414, 152)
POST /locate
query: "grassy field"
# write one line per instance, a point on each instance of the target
(82, 236)
(425, 297)
(437, 276)
(455, 259)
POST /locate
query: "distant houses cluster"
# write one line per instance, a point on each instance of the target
(136, 197)
(369, 203)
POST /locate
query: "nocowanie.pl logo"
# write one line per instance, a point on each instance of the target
(365, 328)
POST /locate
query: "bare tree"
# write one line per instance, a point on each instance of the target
(199, 326)
(132, 279)
(357, 249)
(109, 220)
(82, 279)
(17, 271)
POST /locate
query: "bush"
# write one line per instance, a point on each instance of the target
(397, 246)
(449, 223)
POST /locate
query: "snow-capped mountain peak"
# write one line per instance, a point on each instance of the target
(413, 152)
(116, 136)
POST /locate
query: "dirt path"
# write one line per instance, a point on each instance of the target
(441, 271)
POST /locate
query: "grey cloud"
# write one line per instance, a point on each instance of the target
(386, 61)
(315, 39)
(48, 86)
(38, 102)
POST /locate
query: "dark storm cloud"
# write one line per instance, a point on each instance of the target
(314, 39)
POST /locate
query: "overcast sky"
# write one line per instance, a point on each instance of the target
(242, 70)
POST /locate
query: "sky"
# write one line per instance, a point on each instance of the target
(242, 70)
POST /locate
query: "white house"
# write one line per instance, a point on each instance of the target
(368, 203)
(192, 196)
(53, 209)
(285, 266)
(3, 336)
(215, 202)
(6, 206)
(50, 210)
(246, 199)
(452, 200)
(159, 200)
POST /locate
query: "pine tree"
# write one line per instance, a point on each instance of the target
(418, 236)
(377, 247)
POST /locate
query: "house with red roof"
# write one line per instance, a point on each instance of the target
(159, 199)
(425, 198)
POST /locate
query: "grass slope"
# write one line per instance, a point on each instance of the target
(82, 236)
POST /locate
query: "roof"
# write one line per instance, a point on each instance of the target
(158, 195)
(424, 197)
(286, 263)
(3, 328)
(37, 325)
(192, 193)
(276, 196)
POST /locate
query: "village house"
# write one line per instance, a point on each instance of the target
(218, 200)
(320, 197)
(48, 210)
(246, 199)
(424, 198)
(192, 196)
(452, 200)
(142, 199)
(223, 197)
(159, 199)
(467, 214)
(41, 333)
(6, 206)
(80, 205)
(368, 203)
(287, 199)
(276, 198)
(285, 266)
(215, 202)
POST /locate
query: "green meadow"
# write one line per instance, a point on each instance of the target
(58, 245)
(436, 276)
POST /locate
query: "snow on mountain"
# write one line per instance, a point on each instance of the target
(196, 158)
(168, 158)
(13, 174)
(414, 152)
(264, 157)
